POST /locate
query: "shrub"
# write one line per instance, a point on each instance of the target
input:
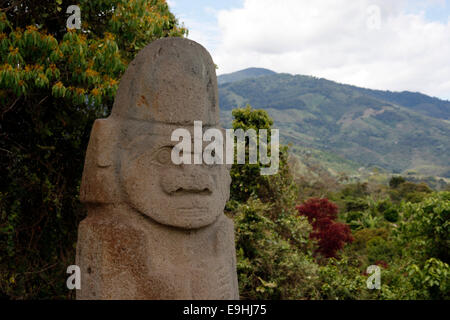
(353, 216)
(247, 179)
(391, 215)
(274, 254)
(384, 205)
(362, 237)
(320, 212)
(332, 238)
(269, 265)
(331, 235)
(356, 205)
(432, 280)
(394, 182)
(410, 192)
(378, 249)
(357, 190)
(426, 227)
(341, 280)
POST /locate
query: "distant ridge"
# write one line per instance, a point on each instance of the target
(395, 131)
(244, 74)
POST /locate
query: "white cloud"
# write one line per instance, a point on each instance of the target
(339, 40)
(203, 33)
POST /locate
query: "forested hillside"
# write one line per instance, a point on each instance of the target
(399, 132)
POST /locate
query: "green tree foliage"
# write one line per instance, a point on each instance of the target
(410, 191)
(432, 281)
(340, 279)
(269, 264)
(379, 249)
(425, 227)
(279, 189)
(273, 251)
(54, 83)
(394, 182)
(247, 179)
(391, 215)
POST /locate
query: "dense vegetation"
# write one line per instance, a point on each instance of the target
(347, 126)
(54, 83)
(322, 248)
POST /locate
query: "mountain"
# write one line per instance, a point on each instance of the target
(347, 125)
(244, 74)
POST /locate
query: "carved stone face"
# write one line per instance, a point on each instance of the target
(186, 196)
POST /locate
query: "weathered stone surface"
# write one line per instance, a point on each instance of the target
(172, 80)
(156, 230)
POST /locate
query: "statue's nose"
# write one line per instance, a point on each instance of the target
(187, 182)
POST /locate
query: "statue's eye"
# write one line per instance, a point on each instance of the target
(163, 156)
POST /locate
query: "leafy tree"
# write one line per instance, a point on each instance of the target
(356, 190)
(318, 211)
(362, 237)
(425, 228)
(352, 204)
(54, 83)
(269, 265)
(391, 215)
(278, 189)
(432, 281)
(340, 279)
(379, 249)
(274, 258)
(246, 178)
(395, 181)
(331, 235)
(410, 192)
(353, 216)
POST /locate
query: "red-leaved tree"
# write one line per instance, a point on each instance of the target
(331, 235)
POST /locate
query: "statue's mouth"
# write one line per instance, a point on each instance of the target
(181, 192)
(193, 212)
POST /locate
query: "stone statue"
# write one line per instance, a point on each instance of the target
(156, 230)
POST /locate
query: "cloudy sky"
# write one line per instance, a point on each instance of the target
(380, 44)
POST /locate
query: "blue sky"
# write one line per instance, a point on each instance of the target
(434, 10)
(198, 9)
(202, 15)
(408, 50)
